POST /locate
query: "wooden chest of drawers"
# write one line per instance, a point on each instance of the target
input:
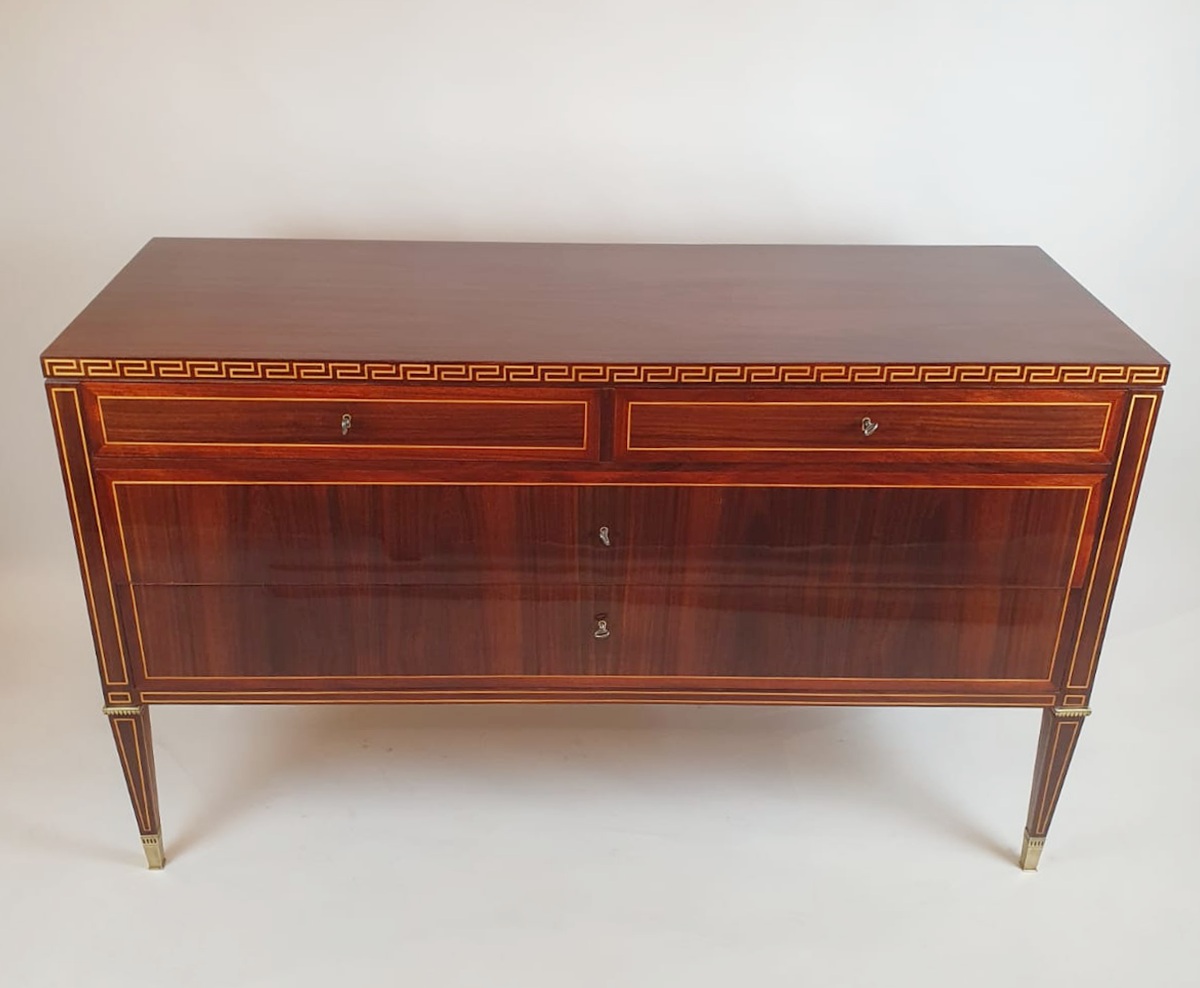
(304, 471)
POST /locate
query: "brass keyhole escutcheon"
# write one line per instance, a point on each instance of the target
(345, 423)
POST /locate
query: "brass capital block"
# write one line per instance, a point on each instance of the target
(1079, 712)
(122, 711)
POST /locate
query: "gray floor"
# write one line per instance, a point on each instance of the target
(543, 845)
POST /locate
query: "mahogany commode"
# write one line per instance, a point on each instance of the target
(341, 471)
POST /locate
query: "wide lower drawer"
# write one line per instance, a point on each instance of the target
(473, 423)
(823, 632)
(778, 424)
(1024, 532)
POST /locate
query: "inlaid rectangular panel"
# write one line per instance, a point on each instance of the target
(434, 422)
(218, 632)
(402, 532)
(953, 425)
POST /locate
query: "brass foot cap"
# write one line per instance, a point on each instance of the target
(1031, 851)
(152, 845)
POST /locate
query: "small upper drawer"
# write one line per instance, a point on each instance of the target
(470, 423)
(786, 424)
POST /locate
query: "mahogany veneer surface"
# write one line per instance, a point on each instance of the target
(603, 303)
(320, 470)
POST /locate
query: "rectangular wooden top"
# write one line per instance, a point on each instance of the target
(597, 313)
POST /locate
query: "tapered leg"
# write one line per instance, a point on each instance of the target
(1060, 733)
(131, 731)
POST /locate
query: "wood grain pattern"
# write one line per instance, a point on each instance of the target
(227, 632)
(913, 535)
(328, 302)
(1114, 532)
(135, 748)
(1056, 747)
(357, 534)
(94, 568)
(659, 444)
(349, 534)
(780, 424)
(770, 694)
(485, 423)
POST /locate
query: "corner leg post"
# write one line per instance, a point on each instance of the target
(131, 732)
(1056, 746)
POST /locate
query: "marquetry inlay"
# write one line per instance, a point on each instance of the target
(556, 373)
(699, 474)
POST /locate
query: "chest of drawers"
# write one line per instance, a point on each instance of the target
(305, 471)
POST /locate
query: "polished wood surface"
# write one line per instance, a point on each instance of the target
(401, 533)
(339, 300)
(1056, 746)
(860, 536)
(232, 633)
(437, 422)
(1112, 535)
(779, 423)
(588, 492)
(66, 415)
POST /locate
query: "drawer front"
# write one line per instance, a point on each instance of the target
(278, 580)
(470, 423)
(1026, 532)
(784, 424)
(650, 633)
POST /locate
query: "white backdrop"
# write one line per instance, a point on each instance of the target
(1071, 124)
(1065, 123)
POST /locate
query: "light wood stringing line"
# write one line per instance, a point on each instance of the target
(1129, 416)
(866, 406)
(774, 697)
(402, 483)
(109, 680)
(100, 399)
(141, 808)
(1123, 538)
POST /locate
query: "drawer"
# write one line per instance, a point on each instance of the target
(866, 424)
(1018, 530)
(221, 632)
(471, 423)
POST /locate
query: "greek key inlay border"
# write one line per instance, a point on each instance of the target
(494, 373)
